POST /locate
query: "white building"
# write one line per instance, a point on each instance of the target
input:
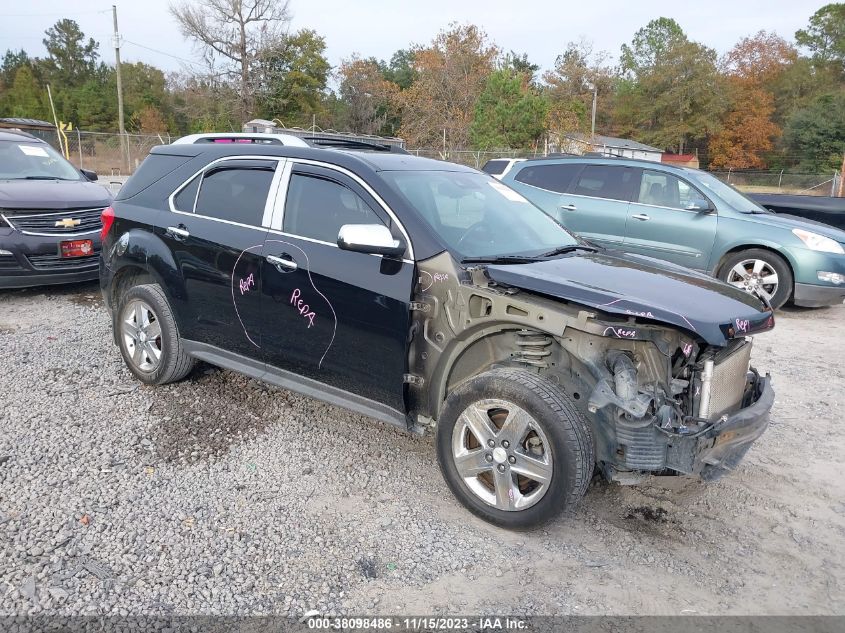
(578, 143)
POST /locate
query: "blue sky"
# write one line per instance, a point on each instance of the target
(540, 28)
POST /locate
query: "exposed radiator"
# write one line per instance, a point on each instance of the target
(728, 383)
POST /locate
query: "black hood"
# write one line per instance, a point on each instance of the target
(52, 194)
(646, 288)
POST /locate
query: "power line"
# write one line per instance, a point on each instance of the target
(47, 15)
(155, 50)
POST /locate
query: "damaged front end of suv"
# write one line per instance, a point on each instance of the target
(656, 358)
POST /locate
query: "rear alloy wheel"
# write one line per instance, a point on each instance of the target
(513, 448)
(148, 337)
(141, 333)
(759, 272)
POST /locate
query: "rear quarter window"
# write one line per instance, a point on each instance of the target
(495, 167)
(555, 178)
(153, 168)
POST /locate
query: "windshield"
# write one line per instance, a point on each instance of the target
(33, 161)
(477, 216)
(736, 199)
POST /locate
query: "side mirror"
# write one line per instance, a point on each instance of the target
(369, 238)
(90, 175)
(702, 206)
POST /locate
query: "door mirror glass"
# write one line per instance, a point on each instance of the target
(369, 238)
(699, 205)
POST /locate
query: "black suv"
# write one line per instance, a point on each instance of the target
(429, 295)
(49, 215)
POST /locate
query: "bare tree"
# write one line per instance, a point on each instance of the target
(235, 32)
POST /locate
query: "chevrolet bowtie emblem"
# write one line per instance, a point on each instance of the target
(68, 223)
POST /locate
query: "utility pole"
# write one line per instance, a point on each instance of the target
(593, 128)
(841, 191)
(124, 146)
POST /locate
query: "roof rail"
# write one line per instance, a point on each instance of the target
(343, 143)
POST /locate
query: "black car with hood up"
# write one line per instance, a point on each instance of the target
(431, 296)
(49, 215)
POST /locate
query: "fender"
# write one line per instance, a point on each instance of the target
(141, 249)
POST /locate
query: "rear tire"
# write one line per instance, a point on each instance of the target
(148, 337)
(746, 269)
(514, 449)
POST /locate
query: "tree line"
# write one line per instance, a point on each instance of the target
(768, 103)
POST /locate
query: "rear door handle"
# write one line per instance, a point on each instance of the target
(282, 262)
(640, 216)
(177, 232)
(569, 207)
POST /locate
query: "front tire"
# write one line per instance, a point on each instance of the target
(148, 337)
(514, 449)
(758, 270)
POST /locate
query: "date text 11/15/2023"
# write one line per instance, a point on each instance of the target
(417, 623)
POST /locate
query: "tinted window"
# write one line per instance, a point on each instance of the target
(317, 208)
(665, 190)
(184, 200)
(237, 194)
(552, 177)
(495, 167)
(605, 181)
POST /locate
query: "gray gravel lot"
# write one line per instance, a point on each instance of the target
(222, 495)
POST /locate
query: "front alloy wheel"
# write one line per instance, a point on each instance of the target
(141, 333)
(502, 454)
(514, 448)
(755, 276)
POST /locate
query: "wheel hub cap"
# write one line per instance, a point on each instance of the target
(500, 455)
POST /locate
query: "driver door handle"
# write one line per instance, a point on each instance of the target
(640, 216)
(282, 262)
(568, 207)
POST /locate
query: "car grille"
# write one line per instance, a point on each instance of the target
(728, 383)
(45, 223)
(53, 261)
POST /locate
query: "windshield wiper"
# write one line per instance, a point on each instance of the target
(500, 259)
(568, 249)
(40, 178)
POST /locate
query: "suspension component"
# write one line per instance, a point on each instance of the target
(533, 348)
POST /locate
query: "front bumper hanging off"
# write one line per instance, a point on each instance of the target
(720, 449)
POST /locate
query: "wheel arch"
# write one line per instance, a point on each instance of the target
(772, 248)
(481, 350)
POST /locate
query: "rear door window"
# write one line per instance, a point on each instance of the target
(605, 181)
(187, 196)
(236, 193)
(557, 178)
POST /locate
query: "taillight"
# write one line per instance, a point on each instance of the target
(107, 218)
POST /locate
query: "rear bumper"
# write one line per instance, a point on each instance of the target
(813, 296)
(725, 444)
(35, 260)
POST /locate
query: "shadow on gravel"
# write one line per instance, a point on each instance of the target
(202, 417)
(63, 290)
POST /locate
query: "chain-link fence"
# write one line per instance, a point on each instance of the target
(110, 154)
(781, 182)
(115, 157)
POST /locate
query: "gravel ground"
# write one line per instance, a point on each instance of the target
(222, 495)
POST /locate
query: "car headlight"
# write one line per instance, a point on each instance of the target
(816, 242)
